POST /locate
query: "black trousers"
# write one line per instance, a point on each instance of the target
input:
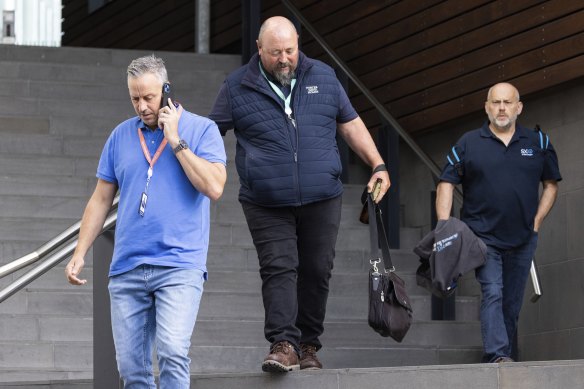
(296, 249)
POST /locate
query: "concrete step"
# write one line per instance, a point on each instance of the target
(45, 379)
(121, 109)
(32, 106)
(247, 361)
(46, 328)
(52, 294)
(33, 229)
(47, 186)
(45, 165)
(522, 375)
(208, 81)
(41, 207)
(24, 124)
(41, 144)
(228, 210)
(232, 233)
(115, 58)
(71, 125)
(230, 253)
(230, 305)
(339, 333)
(72, 356)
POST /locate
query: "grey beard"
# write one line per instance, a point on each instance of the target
(285, 79)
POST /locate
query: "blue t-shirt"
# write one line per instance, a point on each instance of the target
(174, 230)
(501, 183)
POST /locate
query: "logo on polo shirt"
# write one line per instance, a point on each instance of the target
(312, 89)
(527, 152)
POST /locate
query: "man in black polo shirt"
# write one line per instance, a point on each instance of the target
(500, 167)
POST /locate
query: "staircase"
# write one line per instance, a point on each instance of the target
(57, 107)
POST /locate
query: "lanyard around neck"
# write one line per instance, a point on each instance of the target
(151, 160)
(275, 88)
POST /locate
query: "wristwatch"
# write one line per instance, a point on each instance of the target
(182, 144)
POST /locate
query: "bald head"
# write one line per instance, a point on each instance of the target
(503, 86)
(502, 107)
(277, 25)
(278, 48)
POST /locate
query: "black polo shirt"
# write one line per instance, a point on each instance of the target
(501, 183)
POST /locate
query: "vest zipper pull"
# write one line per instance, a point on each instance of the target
(295, 156)
(292, 120)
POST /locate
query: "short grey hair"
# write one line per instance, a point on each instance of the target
(148, 64)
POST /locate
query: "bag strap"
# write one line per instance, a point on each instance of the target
(378, 236)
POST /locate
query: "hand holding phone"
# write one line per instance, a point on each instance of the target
(166, 93)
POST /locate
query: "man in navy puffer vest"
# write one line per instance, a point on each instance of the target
(285, 109)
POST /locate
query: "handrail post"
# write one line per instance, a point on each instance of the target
(388, 145)
(105, 370)
(250, 27)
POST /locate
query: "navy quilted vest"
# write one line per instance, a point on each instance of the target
(278, 164)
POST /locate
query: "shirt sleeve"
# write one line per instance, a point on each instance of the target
(210, 145)
(551, 169)
(346, 110)
(106, 167)
(221, 111)
(454, 156)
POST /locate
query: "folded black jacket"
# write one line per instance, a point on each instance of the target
(447, 253)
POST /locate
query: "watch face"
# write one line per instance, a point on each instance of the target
(181, 146)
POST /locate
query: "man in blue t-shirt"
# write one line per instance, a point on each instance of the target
(168, 165)
(286, 109)
(500, 167)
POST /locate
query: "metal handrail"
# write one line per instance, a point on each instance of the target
(367, 93)
(51, 261)
(54, 246)
(46, 248)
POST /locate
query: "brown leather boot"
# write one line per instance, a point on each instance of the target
(309, 360)
(282, 358)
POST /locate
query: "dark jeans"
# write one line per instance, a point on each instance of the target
(296, 248)
(503, 278)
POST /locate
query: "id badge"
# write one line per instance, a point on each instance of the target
(143, 201)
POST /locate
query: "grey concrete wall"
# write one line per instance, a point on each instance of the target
(552, 328)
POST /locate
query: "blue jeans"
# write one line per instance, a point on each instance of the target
(154, 303)
(503, 278)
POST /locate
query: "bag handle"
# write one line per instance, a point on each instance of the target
(378, 236)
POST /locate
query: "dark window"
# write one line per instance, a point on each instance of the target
(8, 19)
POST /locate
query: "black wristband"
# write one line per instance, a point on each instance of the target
(379, 168)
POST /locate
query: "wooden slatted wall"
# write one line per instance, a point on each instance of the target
(128, 24)
(427, 61)
(431, 61)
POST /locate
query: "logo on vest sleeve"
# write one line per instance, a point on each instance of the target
(312, 89)
(527, 152)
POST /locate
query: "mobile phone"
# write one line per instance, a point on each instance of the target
(376, 189)
(166, 93)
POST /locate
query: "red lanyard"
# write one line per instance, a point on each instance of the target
(150, 160)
